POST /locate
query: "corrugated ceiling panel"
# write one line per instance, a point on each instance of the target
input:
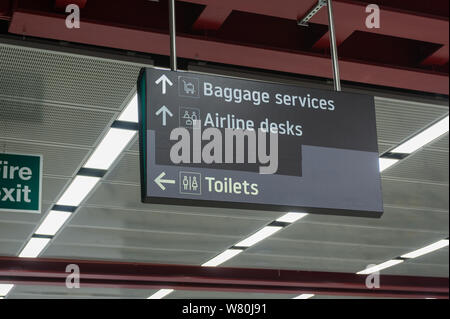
(76, 80)
(411, 268)
(145, 239)
(58, 160)
(398, 119)
(345, 234)
(393, 218)
(415, 195)
(131, 254)
(129, 197)
(21, 291)
(247, 260)
(30, 121)
(440, 144)
(127, 170)
(425, 165)
(52, 187)
(118, 219)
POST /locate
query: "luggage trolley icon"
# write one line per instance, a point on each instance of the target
(188, 86)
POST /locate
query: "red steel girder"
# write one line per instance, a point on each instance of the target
(350, 16)
(61, 4)
(198, 48)
(6, 7)
(43, 271)
(212, 17)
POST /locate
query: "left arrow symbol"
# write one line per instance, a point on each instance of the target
(160, 181)
(165, 111)
(164, 80)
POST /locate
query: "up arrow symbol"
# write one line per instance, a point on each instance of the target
(164, 80)
(165, 111)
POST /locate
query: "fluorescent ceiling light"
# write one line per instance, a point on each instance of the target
(258, 236)
(53, 222)
(223, 257)
(34, 247)
(386, 163)
(110, 148)
(423, 138)
(379, 267)
(291, 217)
(304, 296)
(5, 289)
(130, 113)
(161, 294)
(78, 190)
(428, 249)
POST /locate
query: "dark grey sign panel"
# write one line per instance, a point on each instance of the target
(327, 145)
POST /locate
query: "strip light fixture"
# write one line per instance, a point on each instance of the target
(110, 148)
(416, 253)
(101, 159)
(304, 296)
(5, 289)
(414, 143)
(80, 187)
(130, 113)
(161, 293)
(291, 217)
(258, 236)
(427, 249)
(381, 266)
(385, 163)
(426, 136)
(34, 247)
(223, 257)
(52, 222)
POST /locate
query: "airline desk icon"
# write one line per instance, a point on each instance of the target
(160, 181)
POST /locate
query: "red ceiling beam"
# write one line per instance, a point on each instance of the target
(213, 15)
(6, 9)
(211, 18)
(350, 16)
(53, 27)
(62, 4)
(439, 57)
(43, 271)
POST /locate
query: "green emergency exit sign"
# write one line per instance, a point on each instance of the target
(20, 183)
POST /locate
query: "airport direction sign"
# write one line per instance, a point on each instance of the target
(327, 157)
(20, 183)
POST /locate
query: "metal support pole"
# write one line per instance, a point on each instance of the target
(173, 46)
(336, 78)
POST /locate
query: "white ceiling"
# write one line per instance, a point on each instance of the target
(59, 105)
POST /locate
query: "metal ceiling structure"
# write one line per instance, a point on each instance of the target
(58, 99)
